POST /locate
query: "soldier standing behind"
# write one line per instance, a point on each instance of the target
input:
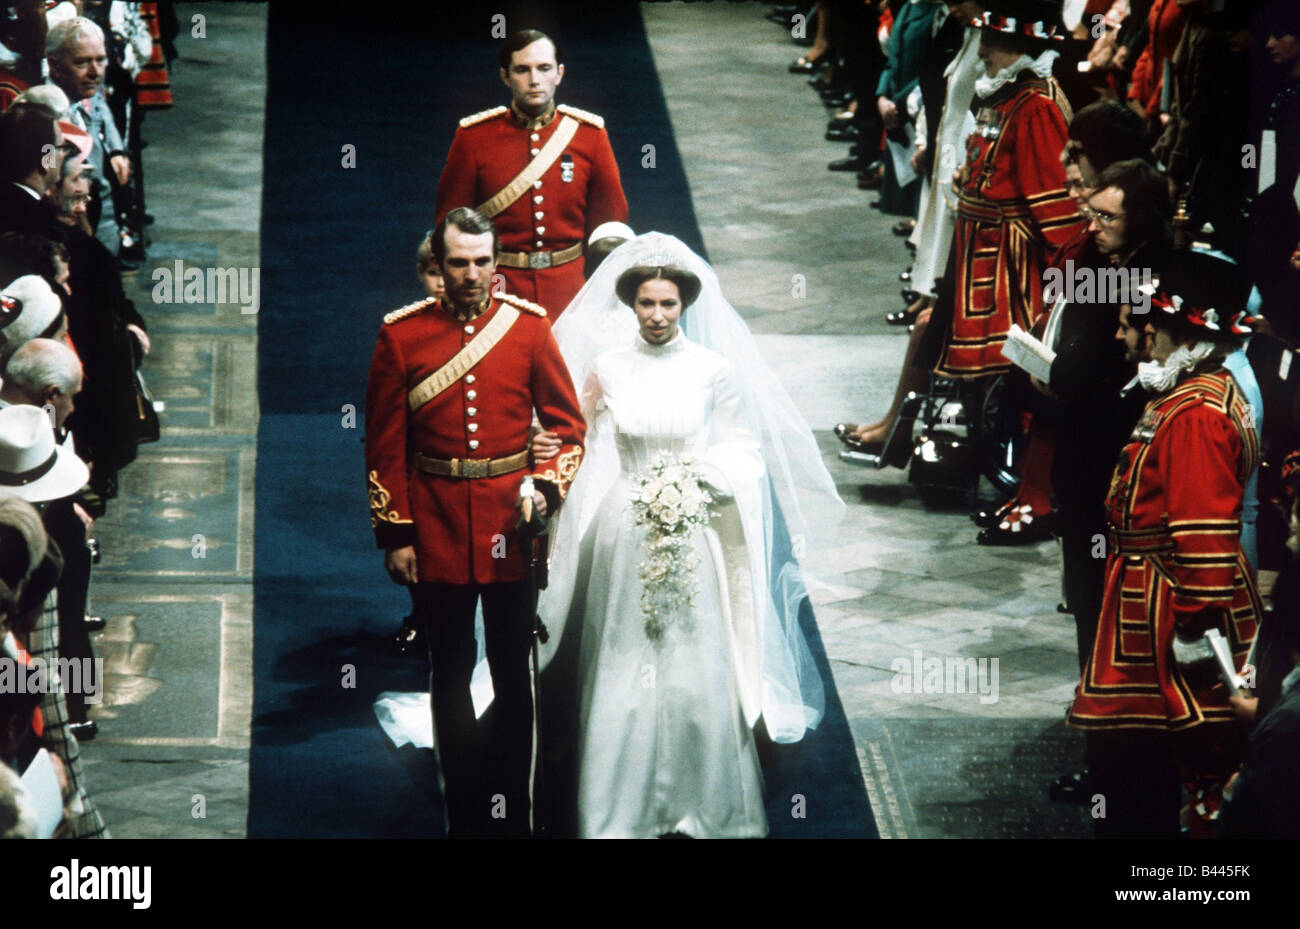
(545, 174)
(1174, 569)
(452, 389)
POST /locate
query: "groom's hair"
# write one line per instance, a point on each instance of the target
(630, 281)
(468, 221)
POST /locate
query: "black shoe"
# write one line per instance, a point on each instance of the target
(819, 83)
(905, 276)
(871, 177)
(1037, 531)
(986, 518)
(852, 163)
(803, 65)
(84, 732)
(848, 133)
(903, 229)
(95, 623)
(909, 296)
(1077, 787)
(901, 318)
(1062, 608)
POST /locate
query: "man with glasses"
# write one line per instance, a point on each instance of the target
(1091, 365)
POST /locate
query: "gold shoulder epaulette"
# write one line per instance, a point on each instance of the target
(407, 310)
(522, 304)
(476, 118)
(592, 118)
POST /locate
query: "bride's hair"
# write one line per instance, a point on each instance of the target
(630, 281)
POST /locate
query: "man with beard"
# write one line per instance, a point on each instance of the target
(1159, 713)
(1091, 368)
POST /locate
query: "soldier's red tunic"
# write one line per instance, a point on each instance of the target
(1174, 560)
(579, 191)
(1013, 213)
(458, 525)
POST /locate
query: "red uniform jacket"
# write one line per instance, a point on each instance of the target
(1165, 23)
(1013, 213)
(463, 528)
(577, 193)
(1174, 560)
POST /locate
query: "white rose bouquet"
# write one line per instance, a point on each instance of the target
(670, 502)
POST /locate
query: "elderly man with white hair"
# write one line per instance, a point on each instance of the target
(44, 373)
(78, 60)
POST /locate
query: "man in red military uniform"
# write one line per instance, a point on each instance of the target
(1174, 569)
(453, 386)
(1013, 211)
(544, 174)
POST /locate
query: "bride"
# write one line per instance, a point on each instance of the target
(675, 578)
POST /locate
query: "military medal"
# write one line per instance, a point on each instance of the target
(566, 168)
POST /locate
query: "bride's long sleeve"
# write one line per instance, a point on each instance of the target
(734, 458)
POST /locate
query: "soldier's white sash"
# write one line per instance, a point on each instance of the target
(540, 164)
(460, 363)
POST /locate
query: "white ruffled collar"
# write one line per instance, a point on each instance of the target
(1159, 378)
(986, 86)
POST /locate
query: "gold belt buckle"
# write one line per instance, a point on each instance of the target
(539, 260)
(474, 467)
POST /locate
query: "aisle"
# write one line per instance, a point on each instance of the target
(912, 583)
(338, 246)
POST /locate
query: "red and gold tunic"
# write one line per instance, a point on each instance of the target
(1013, 213)
(1174, 560)
(463, 528)
(579, 191)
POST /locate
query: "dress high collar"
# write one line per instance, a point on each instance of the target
(672, 346)
(528, 122)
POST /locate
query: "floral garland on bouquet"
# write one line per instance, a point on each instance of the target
(671, 502)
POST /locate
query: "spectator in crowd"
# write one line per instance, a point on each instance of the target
(1262, 800)
(898, 100)
(1164, 30)
(46, 373)
(31, 157)
(1207, 130)
(27, 440)
(78, 62)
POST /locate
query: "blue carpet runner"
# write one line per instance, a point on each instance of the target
(338, 251)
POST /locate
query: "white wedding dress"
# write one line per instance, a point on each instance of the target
(663, 730)
(664, 745)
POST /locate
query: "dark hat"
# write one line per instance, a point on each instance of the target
(1040, 21)
(1205, 288)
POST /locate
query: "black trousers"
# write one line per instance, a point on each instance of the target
(1135, 772)
(485, 763)
(1085, 577)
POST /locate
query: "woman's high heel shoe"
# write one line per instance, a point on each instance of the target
(806, 65)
